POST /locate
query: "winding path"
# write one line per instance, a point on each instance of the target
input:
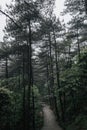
(49, 119)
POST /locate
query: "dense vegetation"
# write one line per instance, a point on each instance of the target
(43, 60)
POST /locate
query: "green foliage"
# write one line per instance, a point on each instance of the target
(80, 123)
(38, 108)
(5, 107)
(11, 108)
(11, 83)
(74, 84)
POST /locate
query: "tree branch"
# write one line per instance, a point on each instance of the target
(10, 18)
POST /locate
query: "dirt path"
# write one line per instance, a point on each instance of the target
(49, 119)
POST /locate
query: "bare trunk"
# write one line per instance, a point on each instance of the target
(24, 102)
(78, 42)
(51, 74)
(30, 82)
(6, 70)
(58, 80)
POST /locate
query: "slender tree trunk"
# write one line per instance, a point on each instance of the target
(51, 74)
(48, 77)
(78, 42)
(48, 81)
(58, 80)
(85, 5)
(69, 59)
(6, 76)
(28, 117)
(24, 102)
(73, 100)
(30, 80)
(6, 69)
(15, 113)
(33, 101)
(19, 69)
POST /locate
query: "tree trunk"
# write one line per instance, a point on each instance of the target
(48, 77)
(6, 70)
(86, 6)
(30, 80)
(33, 102)
(24, 102)
(57, 75)
(51, 74)
(78, 42)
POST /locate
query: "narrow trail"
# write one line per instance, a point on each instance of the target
(49, 119)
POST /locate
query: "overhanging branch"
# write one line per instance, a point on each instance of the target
(10, 18)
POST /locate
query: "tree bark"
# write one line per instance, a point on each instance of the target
(51, 74)
(24, 102)
(57, 75)
(6, 70)
(78, 42)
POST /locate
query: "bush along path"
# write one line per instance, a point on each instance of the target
(49, 119)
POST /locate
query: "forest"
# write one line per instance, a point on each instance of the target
(43, 61)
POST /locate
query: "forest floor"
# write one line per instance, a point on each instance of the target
(50, 122)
